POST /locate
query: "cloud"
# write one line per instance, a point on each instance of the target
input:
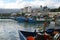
(34, 3)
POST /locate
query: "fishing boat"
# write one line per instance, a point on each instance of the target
(57, 23)
(20, 19)
(41, 20)
(24, 34)
(32, 20)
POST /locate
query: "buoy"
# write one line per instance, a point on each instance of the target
(30, 38)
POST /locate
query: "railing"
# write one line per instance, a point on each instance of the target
(22, 36)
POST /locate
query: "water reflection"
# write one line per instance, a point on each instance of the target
(30, 26)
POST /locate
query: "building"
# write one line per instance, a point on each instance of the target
(54, 13)
(26, 10)
(35, 11)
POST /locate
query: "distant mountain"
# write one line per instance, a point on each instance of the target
(9, 10)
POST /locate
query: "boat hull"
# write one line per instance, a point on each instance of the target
(30, 20)
(33, 34)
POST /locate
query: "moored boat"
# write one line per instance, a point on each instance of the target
(20, 19)
(25, 34)
(32, 20)
(41, 20)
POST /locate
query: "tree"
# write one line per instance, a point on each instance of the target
(23, 14)
(17, 14)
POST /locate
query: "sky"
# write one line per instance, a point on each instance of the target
(18, 4)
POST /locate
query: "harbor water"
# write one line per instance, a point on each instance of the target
(9, 28)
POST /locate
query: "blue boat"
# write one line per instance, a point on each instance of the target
(31, 20)
(50, 31)
(20, 19)
(24, 34)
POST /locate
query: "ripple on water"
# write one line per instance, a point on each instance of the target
(9, 29)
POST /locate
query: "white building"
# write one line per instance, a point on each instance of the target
(35, 11)
(26, 10)
(54, 13)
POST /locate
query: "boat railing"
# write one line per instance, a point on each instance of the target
(22, 37)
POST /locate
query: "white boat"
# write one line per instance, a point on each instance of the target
(57, 22)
